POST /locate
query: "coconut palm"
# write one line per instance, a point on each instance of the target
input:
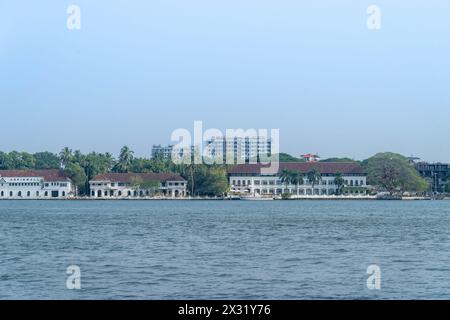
(125, 160)
(65, 156)
(286, 177)
(339, 181)
(297, 179)
(314, 177)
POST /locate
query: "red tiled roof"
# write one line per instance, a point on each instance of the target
(146, 177)
(304, 167)
(47, 175)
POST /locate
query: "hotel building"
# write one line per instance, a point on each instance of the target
(35, 184)
(248, 179)
(137, 185)
(238, 149)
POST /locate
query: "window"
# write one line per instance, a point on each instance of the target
(28, 193)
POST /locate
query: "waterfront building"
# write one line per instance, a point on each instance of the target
(249, 179)
(35, 184)
(436, 173)
(137, 185)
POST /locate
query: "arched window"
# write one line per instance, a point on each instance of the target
(120, 193)
(19, 194)
(10, 193)
(129, 193)
(46, 193)
(63, 193)
(28, 193)
(2, 193)
(37, 193)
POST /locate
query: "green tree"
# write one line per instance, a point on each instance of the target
(46, 160)
(5, 161)
(286, 177)
(314, 177)
(339, 182)
(447, 187)
(394, 173)
(65, 156)
(297, 179)
(21, 160)
(76, 173)
(209, 180)
(125, 160)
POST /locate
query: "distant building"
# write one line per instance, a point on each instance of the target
(238, 149)
(309, 157)
(248, 179)
(436, 173)
(35, 184)
(166, 152)
(137, 185)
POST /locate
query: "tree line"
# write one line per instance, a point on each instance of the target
(390, 172)
(203, 180)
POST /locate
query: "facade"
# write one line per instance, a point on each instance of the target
(310, 157)
(166, 152)
(35, 184)
(436, 173)
(248, 179)
(238, 149)
(137, 185)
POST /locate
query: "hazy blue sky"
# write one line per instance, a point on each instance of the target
(137, 70)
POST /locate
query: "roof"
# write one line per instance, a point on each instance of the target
(146, 177)
(303, 167)
(47, 175)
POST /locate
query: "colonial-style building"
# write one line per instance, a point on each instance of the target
(248, 179)
(35, 184)
(137, 185)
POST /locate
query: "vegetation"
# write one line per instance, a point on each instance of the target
(339, 182)
(338, 160)
(314, 177)
(284, 157)
(447, 187)
(393, 173)
(386, 171)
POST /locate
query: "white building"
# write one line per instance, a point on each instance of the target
(137, 185)
(248, 179)
(34, 184)
(166, 152)
(238, 149)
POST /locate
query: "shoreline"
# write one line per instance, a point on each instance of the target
(238, 199)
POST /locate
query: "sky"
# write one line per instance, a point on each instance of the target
(137, 70)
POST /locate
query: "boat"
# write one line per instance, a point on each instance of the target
(256, 197)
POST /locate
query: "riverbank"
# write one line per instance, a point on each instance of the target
(306, 198)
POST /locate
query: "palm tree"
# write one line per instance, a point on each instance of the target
(297, 179)
(65, 156)
(286, 177)
(125, 160)
(314, 177)
(339, 181)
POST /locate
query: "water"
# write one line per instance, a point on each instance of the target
(224, 249)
